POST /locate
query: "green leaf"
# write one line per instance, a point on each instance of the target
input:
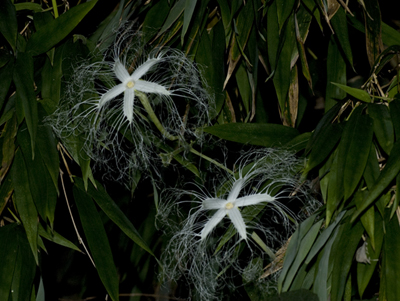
(293, 247)
(8, 254)
(365, 271)
(213, 62)
(47, 37)
(51, 77)
(297, 295)
(354, 148)
(342, 257)
(368, 218)
(323, 145)
(272, 34)
(173, 15)
(373, 34)
(323, 238)
(372, 170)
(155, 18)
(390, 171)
(187, 16)
(57, 238)
(336, 72)
(6, 73)
(23, 79)
(394, 108)
(284, 9)
(390, 262)
(113, 212)
(357, 93)
(25, 268)
(390, 36)
(29, 6)
(322, 274)
(8, 22)
(298, 143)
(24, 201)
(267, 134)
(339, 24)
(97, 241)
(397, 197)
(304, 248)
(383, 126)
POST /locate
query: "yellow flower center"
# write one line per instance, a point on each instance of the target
(130, 84)
(229, 205)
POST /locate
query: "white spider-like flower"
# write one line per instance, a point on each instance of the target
(123, 105)
(249, 202)
(130, 83)
(230, 207)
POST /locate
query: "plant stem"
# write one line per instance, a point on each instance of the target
(55, 9)
(153, 117)
(192, 150)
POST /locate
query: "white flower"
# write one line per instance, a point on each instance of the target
(230, 207)
(130, 83)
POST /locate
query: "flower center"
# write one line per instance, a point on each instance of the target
(130, 84)
(229, 205)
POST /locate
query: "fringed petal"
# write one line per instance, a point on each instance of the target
(120, 71)
(212, 222)
(129, 98)
(149, 87)
(144, 68)
(253, 199)
(213, 203)
(110, 94)
(237, 220)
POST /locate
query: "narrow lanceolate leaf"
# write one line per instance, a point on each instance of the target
(24, 201)
(6, 73)
(23, 79)
(323, 144)
(357, 93)
(368, 218)
(47, 37)
(174, 14)
(8, 254)
(339, 24)
(383, 126)
(342, 257)
(254, 133)
(284, 9)
(304, 247)
(293, 247)
(8, 149)
(98, 242)
(391, 263)
(356, 141)
(113, 212)
(187, 16)
(394, 108)
(373, 20)
(302, 52)
(336, 72)
(386, 176)
(8, 22)
(366, 270)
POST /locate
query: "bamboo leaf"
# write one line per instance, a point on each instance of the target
(8, 254)
(390, 171)
(57, 238)
(8, 22)
(98, 242)
(394, 108)
(339, 24)
(383, 126)
(6, 73)
(174, 14)
(254, 133)
(336, 72)
(391, 264)
(113, 212)
(304, 248)
(357, 93)
(23, 79)
(373, 21)
(187, 16)
(284, 9)
(24, 201)
(47, 37)
(342, 257)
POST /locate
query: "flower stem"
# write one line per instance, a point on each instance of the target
(146, 104)
(192, 150)
(55, 9)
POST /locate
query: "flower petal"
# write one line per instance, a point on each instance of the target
(120, 71)
(149, 87)
(212, 223)
(253, 199)
(236, 187)
(144, 68)
(110, 94)
(213, 203)
(129, 97)
(237, 220)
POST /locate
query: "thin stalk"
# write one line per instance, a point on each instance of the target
(192, 150)
(153, 117)
(55, 9)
